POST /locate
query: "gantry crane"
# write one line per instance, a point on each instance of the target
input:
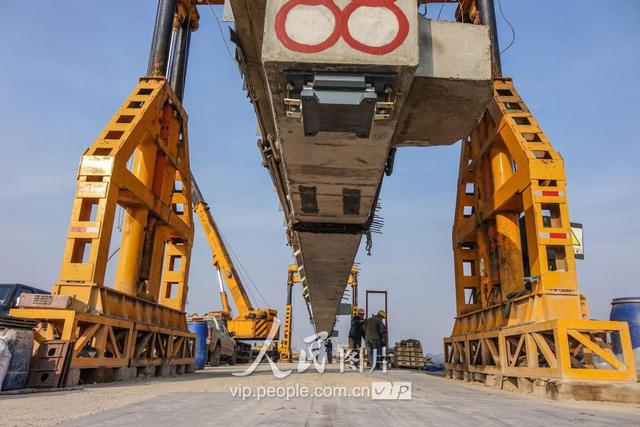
(293, 277)
(250, 323)
(520, 313)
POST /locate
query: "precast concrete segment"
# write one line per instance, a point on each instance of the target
(341, 32)
(331, 162)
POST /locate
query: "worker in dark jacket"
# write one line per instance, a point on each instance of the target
(328, 347)
(374, 335)
(356, 332)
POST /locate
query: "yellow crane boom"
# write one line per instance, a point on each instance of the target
(250, 323)
(221, 259)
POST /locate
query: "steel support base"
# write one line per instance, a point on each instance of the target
(106, 342)
(553, 349)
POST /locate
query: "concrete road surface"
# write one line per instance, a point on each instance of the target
(214, 397)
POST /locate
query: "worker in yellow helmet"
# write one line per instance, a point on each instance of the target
(374, 335)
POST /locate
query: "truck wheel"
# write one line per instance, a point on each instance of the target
(234, 358)
(214, 357)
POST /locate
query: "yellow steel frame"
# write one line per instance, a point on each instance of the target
(512, 179)
(293, 277)
(353, 282)
(140, 162)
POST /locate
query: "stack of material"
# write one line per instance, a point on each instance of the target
(408, 354)
(9, 322)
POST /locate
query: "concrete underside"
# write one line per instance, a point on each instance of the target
(204, 398)
(441, 86)
(327, 262)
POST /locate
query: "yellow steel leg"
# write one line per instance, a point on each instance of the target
(507, 228)
(107, 324)
(519, 309)
(135, 222)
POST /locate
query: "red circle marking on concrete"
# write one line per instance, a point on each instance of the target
(403, 26)
(288, 42)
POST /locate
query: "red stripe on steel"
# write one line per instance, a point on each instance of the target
(557, 235)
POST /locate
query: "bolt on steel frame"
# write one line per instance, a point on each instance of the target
(520, 313)
(140, 162)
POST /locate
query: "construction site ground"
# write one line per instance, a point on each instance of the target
(206, 398)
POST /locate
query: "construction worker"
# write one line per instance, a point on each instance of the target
(314, 348)
(356, 332)
(374, 330)
(328, 347)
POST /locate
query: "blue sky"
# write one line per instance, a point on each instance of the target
(68, 65)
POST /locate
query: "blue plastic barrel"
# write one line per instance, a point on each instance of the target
(201, 330)
(20, 344)
(627, 310)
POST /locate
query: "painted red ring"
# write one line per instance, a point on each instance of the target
(291, 44)
(403, 26)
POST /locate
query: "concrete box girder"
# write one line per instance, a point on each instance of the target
(441, 85)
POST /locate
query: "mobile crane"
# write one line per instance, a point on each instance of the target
(250, 323)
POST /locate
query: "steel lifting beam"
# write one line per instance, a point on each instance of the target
(520, 313)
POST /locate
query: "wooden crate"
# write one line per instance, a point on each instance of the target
(408, 355)
(403, 359)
